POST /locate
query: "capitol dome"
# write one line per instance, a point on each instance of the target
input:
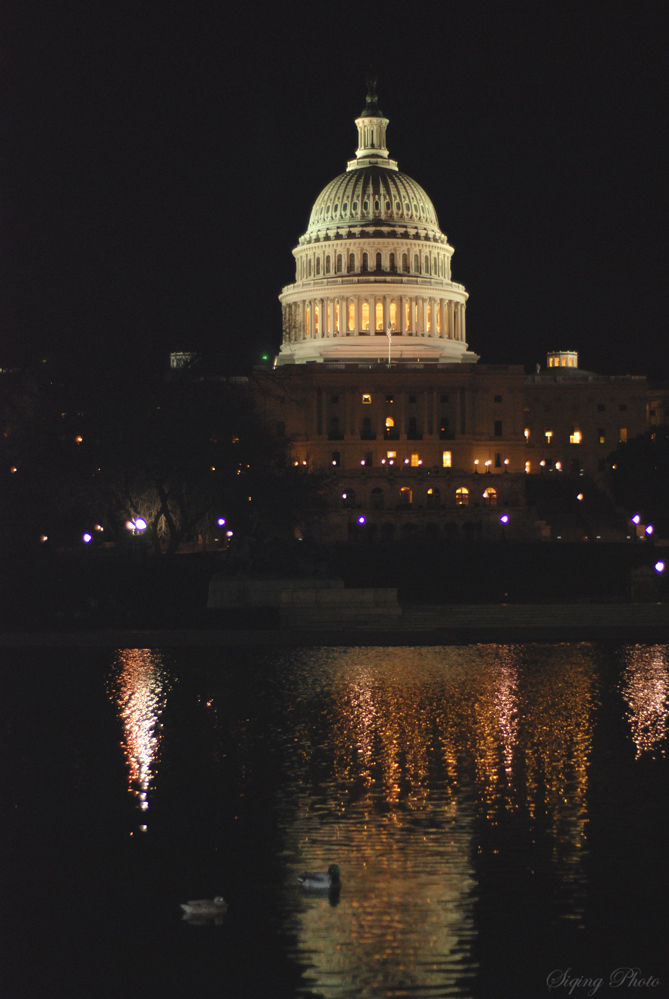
(373, 263)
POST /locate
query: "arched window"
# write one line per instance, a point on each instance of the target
(407, 315)
(390, 423)
(428, 317)
(433, 497)
(365, 315)
(490, 497)
(393, 315)
(379, 262)
(391, 263)
(327, 264)
(462, 496)
(307, 331)
(309, 268)
(351, 262)
(318, 265)
(336, 318)
(364, 262)
(405, 262)
(437, 317)
(405, 496)
(416, 263)
(377, 498)
(427, 264)
(378, 313)
(317, 319)
(351, 317)
(340, 263)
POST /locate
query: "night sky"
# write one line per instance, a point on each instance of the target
(159, 163)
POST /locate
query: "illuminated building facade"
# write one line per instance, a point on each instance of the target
(376, 384)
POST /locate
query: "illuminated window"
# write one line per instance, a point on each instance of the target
(433, 497)
(438, 319)
(378, 311)
(365, 315)
(308, 322)
(526, 431)
(601, 433)
(446, 459)
(389, 422)
(622, 436)
(428, 314)
(407, 315)
(391, 454)
(415, 460)
(317, 319)
(393, 315)
(490, 497)
(528, 467)
(367, 399)
(548, 435)
(351, 317)
(336, 312)
(462, 496)
(405, 496)
(576, 437)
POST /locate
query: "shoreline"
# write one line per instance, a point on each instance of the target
(419, 625)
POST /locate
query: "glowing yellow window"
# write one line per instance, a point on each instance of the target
(405, 496)
(351, 316)
(317, 319)
(336, 317)
(576, 437)
(548, 435)
(428, 319)
(490, 497)
(446, 459)
(379, 315)
(389, 422)
(308, 322)
(462, 496)
(415, 460)
(622, 437)
(391, 454)
(366, 399)
(437, 312)
(393, 315)
(407, 315)
(365, 315)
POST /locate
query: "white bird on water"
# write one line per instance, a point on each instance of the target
(202, 909)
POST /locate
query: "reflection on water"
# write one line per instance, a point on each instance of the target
(395, 756)
(645, 688)
(139, 689)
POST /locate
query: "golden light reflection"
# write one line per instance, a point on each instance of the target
(139, 690)
(645, 688)
(422, 744)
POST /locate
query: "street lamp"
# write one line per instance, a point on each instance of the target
(86, 538)
(659, 567)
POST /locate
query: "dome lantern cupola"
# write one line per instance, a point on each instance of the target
(372, 127)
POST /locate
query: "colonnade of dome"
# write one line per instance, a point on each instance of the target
(373, 260)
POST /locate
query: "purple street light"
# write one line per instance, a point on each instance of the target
(86, 538)
(659, 567)
(649, 530)
(504, 519)
(361, 520)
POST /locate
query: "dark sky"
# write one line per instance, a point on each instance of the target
(159, 163)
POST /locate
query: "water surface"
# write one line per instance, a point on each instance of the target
(498, 813)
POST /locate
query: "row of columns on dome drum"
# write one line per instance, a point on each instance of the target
(319, 318)
(437, 265)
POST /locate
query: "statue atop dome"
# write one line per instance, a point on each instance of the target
(371, 109)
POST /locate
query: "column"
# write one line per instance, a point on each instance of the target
(464, 331)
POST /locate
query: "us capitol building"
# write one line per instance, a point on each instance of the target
(375, 382)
